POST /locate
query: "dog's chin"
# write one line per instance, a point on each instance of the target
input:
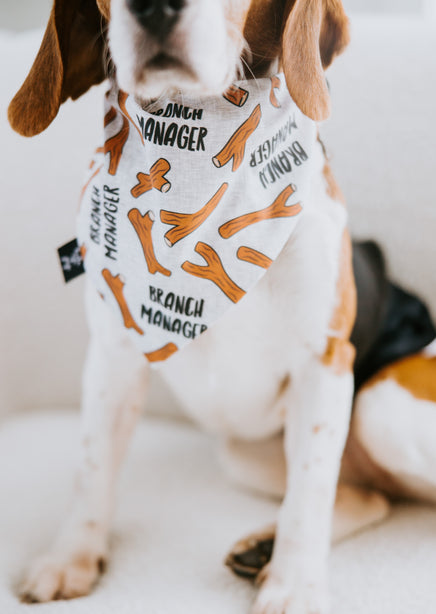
(165, 75)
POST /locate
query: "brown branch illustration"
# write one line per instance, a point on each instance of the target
(252, 256)
(110, 116)
(117, 287)
(236, 95)
(156, 179)
(235, 147)
(143, 225)
(185, 223)
(276, 210)
(115, 145)
(122, 99)
(163, 353)
(213, 271)
(275, 85)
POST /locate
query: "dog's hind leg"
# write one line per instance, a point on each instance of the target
(115, 382)
(394, 429)
(260, 466)
(356, 509)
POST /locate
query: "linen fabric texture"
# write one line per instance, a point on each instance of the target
(189, 202)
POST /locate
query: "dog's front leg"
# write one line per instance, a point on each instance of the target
(318, 415)
(114, 387)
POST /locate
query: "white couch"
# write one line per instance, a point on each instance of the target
(177, 513)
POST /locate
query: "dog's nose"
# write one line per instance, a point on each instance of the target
(158, 16)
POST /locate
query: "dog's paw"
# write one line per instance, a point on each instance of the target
(250, 555)
(276, 597)
(62, 577)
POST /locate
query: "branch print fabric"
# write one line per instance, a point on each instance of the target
(189, 201)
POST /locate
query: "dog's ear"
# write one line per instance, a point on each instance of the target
(315, 32)
(70, 60)
(104, 6)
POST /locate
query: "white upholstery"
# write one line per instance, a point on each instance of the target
(177, 513)
(176, 517)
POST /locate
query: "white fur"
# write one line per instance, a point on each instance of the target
(205, 40)
(430, 350)
(398, 430)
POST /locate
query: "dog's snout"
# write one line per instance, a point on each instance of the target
(158, 16)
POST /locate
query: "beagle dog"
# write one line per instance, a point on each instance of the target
(275, 358)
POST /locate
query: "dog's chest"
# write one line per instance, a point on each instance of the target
(234, 380)
(189, 202)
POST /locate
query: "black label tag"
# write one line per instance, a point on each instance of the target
(71, 260)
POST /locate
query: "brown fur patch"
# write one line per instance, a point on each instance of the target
(335, 31)
(90, 564)
(86, 563)
(105, 8)
(315, 32)
(333, 189)
(339, 353)
(284, 385)
(69, 62)
(263, 30)
(318, 428)
(417, 374)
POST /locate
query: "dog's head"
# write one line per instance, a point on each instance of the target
(196, 46)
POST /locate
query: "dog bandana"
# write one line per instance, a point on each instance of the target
(189, 202)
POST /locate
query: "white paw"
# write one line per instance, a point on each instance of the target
(277, 597)
(57, 576)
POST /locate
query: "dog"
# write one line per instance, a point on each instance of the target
(280, 358)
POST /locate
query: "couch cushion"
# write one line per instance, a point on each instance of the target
(177, 515)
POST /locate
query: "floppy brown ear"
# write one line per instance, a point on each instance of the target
(105, 9)
(315, 32)
(69, 62)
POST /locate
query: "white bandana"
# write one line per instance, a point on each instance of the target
(189, 202)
